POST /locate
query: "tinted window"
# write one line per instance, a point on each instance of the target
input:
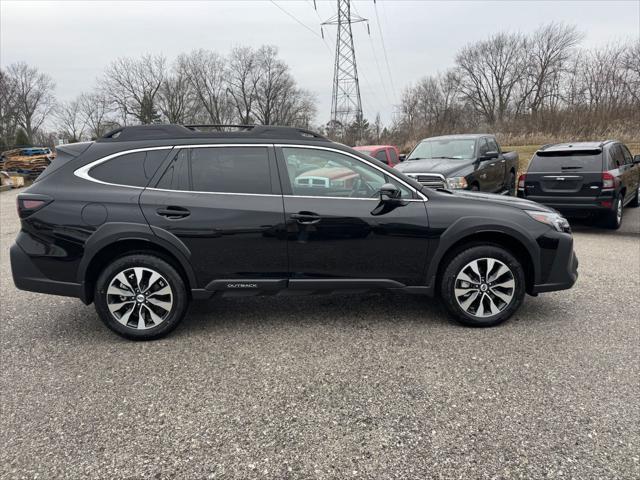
(394, 156)
(231, 170)
(628, 158)
(382, 156)
(177, 175)
(566, 162)
(616, 156)
(493, 145)
(321, 173)
(135, 169)
(483, 147)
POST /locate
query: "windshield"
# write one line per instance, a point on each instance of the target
(459, 148)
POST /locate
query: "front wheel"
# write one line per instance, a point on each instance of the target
(483, 286)
(140, 297)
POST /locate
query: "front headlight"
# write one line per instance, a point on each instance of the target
(457, 183)
(554, 220)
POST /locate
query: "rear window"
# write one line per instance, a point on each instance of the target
(554, 162)
(133, 169)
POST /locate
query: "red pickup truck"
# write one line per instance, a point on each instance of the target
(388, 154)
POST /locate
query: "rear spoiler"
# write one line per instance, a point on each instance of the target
(569, 152)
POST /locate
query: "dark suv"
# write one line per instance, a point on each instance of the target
(147, 218)
(584, 178)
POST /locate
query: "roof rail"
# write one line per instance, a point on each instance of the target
(170, 131)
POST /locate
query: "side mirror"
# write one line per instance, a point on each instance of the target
(389, 192)
(490, 155)
(402, 157)
(636, 159)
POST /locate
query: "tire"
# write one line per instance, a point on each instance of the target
(636, 200)
(474, 306)
(512, 184)
(133, 277)
(613, 218)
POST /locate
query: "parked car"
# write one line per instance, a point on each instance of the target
(388, 154)
(584, 178)
(147, 218)
(463, 162)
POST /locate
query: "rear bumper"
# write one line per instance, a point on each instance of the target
(26, 276)
(573, 205)
(562, 271)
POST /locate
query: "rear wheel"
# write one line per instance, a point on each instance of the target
(512, 184)
(636, 199)
(483, 286)
(140, 297)
(613, 218)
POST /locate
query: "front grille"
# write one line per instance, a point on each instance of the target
(433, 180)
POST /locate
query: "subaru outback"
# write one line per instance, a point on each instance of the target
(147, 218)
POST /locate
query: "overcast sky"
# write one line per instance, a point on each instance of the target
(74, 41)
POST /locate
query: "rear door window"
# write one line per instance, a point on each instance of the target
(564, 162)
(628, 158)
(132, 169)
(219, 170)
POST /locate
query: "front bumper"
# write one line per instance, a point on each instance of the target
(26, 276)
(558, 263)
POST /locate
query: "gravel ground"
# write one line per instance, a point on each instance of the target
(370, 386)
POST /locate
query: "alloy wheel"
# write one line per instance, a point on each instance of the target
(619, 211)
(139, 298)
(484, 287)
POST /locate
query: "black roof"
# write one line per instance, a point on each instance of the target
(171, 131)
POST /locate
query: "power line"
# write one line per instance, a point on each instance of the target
(302, 24)
(384, 49)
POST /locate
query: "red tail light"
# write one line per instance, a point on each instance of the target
(29, 204)
(608, 180)
(521, 180)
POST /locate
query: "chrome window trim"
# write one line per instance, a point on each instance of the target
(315, 147)
(215, 145)
(83, 172)
(350, 198)
(215, 193)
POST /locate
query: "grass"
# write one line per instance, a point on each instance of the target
(525, 152)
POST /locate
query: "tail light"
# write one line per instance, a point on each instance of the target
(28, 204)
(608, 180)
(521, 181)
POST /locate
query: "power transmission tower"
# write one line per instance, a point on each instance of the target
(346, 105)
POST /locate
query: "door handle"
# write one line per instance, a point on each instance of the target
(173, 213)
(306, 218)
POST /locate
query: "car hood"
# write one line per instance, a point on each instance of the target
(444, 166)
(520, 203)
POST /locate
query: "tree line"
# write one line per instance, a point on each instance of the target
(542, 85)
(249, 86)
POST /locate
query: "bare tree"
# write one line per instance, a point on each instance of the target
(631, 62)
(490, 72)
(95, 109)
(176, 94)
(243, 66)
(132, 87)
(70, 120)
(8, 110)
(207, 73)
(34, 99)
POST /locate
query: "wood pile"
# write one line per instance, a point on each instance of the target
(33, 165)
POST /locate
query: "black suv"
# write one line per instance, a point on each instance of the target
(584, 178)
(147, 218)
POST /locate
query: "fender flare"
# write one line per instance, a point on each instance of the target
(469, 226)
(111, 233)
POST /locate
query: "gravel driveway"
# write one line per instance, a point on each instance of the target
(369, 386)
